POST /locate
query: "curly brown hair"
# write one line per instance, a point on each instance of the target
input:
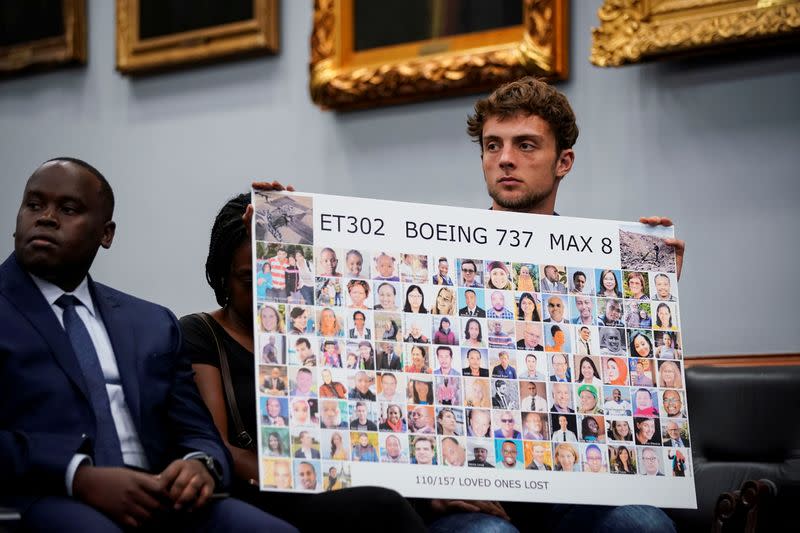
(527, 96)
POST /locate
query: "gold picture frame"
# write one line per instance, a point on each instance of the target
(65, 48)
(257, 35)
(344, 79)
(632, 31)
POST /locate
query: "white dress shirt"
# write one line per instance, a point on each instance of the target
(132, 450)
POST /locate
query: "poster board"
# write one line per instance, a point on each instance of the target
(461, 353)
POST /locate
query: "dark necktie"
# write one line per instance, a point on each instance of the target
(588, 351)
(107, 449)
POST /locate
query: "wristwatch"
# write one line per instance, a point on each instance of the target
(213, 467)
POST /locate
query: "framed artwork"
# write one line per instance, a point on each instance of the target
(41, 34)
(162, 34)
(368, 54)
(633, 31)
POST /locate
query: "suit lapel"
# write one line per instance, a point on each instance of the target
(25, 295)
(123, 342)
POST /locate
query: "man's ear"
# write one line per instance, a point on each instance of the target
(564, 163)
(108, 234)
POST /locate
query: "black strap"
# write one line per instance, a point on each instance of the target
(243, 438)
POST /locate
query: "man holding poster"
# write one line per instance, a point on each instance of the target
(526, 130)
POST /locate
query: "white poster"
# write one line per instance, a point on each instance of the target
(464, 353)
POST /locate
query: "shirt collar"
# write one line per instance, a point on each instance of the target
(52, 292)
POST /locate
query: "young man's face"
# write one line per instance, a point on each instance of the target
(468, 270)
(389, 385)
(423, 451)
(470, 297)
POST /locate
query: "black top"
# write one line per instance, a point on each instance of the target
(201, 348)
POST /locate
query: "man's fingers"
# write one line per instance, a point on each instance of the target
(181, 483)
(205, 494)
(656, 221)
(460, 505)
(170, 473)
(274, 186)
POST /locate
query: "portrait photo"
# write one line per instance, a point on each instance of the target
(388, 296)
(423, 450)
(393, 417)
(664, 286)
(414, 269)
(300, 320)
(644, 401)
(505, 394)
(276, 474)
(526, 276)
(478, 455)
(272, 380)
(557, 338)
(421, 419)
(554, 279)
(388, 326)
(677, 462)
(581, 280)
(470, 272)
(391, 387)
(356, 264)
(271, 349)
(416, 358)
(651, 462)
(393, 448)
(385, 266)
(498, 275)
(333, 413)
(567, 457)
(474, 332)
(594, 458)
(364, 446)
(619, 428)
(275, 442)
(471, 302)
(450, 421)
(363, 415)
(303, 412)
(530, 336)
(272, 318)
(532, 395)
(417, 328)
(587, 340)
(417, 298)
(274, 411)
(642, 372)
(445, 330)
(622, 459)
(556, 308)
(636, 285)
(420, 390)
(612, 341)
(528, 307)
(327, 261)
(336, 475)
(638, 314)
(608, 283)
(509, 454)
(444, 301)
(328, 292)
(592, 428)
(670, 375)
(452, 451)
(361, 385)
(358, 294)
(499, 304)
(535, 426)
(666, 316)
(668, 345)
(501, 334)
(303, 382)
(538, 455)
(617, 401)
(532, 365)
(615, 371)
(477, 393)
(305, 443)
(560, 368)
(444, 271)
(359, 324)
(672, 403)
(565, 427)
(583, 310)
(306, 475)
(448, 390)
(330, 322)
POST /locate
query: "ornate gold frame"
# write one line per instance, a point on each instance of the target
(258, 35)
(343, 79)
(637, 30)
(67, 48)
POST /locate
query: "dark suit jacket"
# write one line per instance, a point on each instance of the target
(464, 311)
(314, 454)
(47, 417)
(383, 362)
(532, 466)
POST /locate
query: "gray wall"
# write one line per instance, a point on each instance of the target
(714, 144)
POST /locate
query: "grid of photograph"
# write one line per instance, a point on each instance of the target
(469, 362)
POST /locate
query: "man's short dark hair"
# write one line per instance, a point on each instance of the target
(105, 188)
(449, 350)
(527, 96)
(303, 340)
(576, 274)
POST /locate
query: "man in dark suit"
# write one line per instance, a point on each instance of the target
(674, 438)
(306, 449)
(102, 426)
(537, 463)
(472, 308)
(388, 359)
